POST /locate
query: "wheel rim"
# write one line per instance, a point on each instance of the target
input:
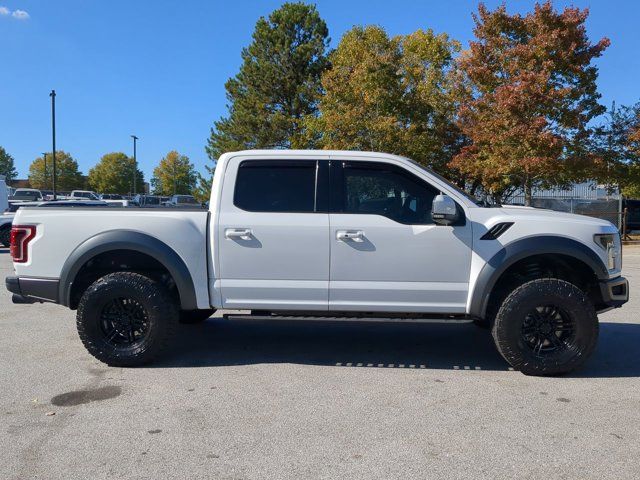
(547, 330)
(124, 322)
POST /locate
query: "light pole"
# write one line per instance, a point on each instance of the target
(44, 156)
(53, 134)
(135, 163)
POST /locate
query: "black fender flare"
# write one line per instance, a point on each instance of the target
(128, 240)
(527, 247)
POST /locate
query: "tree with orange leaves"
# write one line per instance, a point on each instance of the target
(529, 92)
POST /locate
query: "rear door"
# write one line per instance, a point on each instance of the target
(386, 252)
(273, 235)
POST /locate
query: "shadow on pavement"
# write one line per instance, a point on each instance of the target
(219, 342)
(617, 353)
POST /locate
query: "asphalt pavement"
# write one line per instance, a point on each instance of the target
(312, 400)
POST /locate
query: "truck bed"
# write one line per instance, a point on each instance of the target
(61, 230)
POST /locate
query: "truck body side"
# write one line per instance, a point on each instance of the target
(327, 234)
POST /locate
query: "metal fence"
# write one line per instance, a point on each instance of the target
(606, 209)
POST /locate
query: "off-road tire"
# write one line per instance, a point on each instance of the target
(5, 235)
(161, 309)
(191, 317)
(513, 320)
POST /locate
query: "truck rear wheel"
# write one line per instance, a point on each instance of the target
(546, 327)
(125, 319)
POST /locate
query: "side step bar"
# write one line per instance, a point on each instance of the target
(346, 318)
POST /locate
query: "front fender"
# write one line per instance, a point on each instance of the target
(527, 247)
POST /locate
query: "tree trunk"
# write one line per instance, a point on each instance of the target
(527, 193)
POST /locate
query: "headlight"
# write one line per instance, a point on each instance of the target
(607, 241)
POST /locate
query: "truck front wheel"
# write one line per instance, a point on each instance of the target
(125, 319)
(546, 327)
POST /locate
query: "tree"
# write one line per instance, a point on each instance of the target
(202, 191)
(68, 177)
(278, 84)
(174, 175)
(114, 174)
(631, 185)
(390, 94)
(7, 167)
(530, 93)
(615, 146)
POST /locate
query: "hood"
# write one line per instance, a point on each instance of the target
(539, 214)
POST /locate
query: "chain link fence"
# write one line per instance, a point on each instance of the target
(587, 199)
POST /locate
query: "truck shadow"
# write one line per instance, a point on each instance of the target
(219, 342)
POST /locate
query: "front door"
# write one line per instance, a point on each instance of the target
(273, 236)
(386, 252)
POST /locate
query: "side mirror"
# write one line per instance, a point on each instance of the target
(444, 210)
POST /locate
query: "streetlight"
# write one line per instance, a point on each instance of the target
(135, 163)
(44, 156)
(53, 135)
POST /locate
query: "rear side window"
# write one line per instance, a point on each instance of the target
(276, 186)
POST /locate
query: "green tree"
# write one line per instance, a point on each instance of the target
(114, 174)
(68, 177)
(616, 149)
(7, 167)
(531, 92)
(174, 175)
(631, 185)
(202, 190)
(390, 94)
(278, 84)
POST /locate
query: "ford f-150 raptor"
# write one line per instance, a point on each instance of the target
(329, 234)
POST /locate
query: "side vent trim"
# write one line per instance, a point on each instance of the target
(497, 230)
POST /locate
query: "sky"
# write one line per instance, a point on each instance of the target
(157, 69)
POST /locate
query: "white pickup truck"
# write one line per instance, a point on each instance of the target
(328, 234)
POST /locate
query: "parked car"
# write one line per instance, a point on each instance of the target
(4, 194)
(183, 201)
(147, 201)
(633, 214)
(47, 194)
(26, 195)
(111, 196)
(332, 235)
(83, 194)
(7, 217)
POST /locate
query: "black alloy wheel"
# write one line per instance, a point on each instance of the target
(124, 322)
(547, 330)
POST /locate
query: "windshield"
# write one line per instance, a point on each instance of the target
(30, 194)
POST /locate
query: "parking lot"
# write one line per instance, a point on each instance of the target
(292, 400)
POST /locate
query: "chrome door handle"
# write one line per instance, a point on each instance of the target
(355, 235)
(241, 233)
